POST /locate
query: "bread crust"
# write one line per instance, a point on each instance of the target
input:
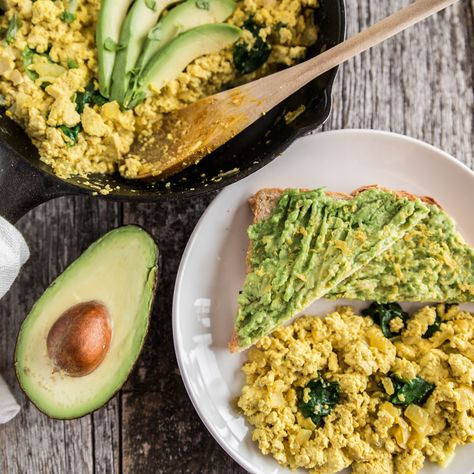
(264, 201)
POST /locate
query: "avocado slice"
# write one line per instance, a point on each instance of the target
(111, 16)
(118, 272)
(182, 18)
(141, 18)
(173, 58)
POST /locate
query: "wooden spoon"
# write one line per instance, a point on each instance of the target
(187, 135)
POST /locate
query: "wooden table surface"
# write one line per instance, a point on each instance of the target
(419, 84)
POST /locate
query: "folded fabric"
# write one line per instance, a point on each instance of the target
(13, 254)
(9, 408)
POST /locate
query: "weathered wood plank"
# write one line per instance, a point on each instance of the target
(408, 85)
(170, 438)
(171, 431)
(57, 233)
(420, 83)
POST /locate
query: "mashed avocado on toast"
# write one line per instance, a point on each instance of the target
(310, 243)
(431, 263)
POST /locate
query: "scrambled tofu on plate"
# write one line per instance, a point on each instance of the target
(328, 393)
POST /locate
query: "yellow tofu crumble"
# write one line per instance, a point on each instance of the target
(63, 62)
(365, 430)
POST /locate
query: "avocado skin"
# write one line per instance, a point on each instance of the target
(155, 269)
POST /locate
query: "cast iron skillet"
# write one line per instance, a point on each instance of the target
(26, 182)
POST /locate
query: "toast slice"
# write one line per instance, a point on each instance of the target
(304, 243)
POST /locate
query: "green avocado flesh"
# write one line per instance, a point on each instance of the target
(431, 263)
(182, 18)
(139, 21)
(118, 270)
(109, 23)
(310, 244)
(175, 56)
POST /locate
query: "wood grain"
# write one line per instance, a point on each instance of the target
(420, 83)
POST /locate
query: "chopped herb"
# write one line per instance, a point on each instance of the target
(151, 4)
(69, 15)
(383, 314)
(111, 45)
(322, 398)
(72, 63)
(249, 58)
(27, 58)
(155, 33)
(203, 4)
(13, 27)
(90, 95)
(71, 133)
(416, 391)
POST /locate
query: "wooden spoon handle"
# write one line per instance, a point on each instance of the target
(272, 92)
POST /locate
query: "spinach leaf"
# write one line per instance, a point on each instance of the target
(323, 396)
(382, 314)
(432, 328)
(71, 133)
(27, 58)
(249, 58)
(90, 95)
(440, 310)
(416, 391)
(12, 29)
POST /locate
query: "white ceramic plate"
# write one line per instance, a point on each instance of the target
(212, 269)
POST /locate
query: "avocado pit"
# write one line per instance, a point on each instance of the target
(80, 338)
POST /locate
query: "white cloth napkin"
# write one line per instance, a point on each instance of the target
(13, 254)
(9, 408)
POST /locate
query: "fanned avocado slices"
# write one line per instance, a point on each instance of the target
(431, 263)
(140, 19)
(175, 56)
(309, 244)
(181, 18)
(111, 16)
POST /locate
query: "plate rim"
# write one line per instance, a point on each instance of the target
(242, 461)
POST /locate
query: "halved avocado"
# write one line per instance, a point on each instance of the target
(113, 279)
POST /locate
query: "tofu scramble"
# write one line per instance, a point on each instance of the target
(47, 59)
(371, 428)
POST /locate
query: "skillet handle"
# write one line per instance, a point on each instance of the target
(23, 187)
